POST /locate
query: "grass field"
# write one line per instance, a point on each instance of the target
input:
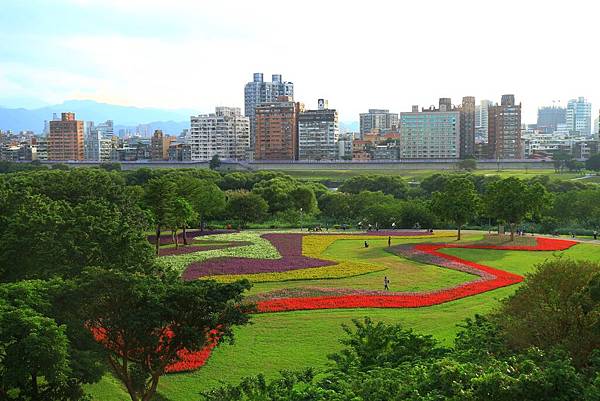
(294, 340)
(417, 175)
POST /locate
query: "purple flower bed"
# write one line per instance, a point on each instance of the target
(166, 239)
(220, 266)
(286, 244)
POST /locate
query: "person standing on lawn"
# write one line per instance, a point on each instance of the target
(386, 283)
(389, 241)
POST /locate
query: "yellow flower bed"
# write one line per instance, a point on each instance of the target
(314, 245)
(340, 270)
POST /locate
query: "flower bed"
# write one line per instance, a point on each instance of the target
(339, 270)
(490, 279)
(258, 248)
(246, 266)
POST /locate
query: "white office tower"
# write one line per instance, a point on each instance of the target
(99, 141)
(225, 133)
(318, 133)
(481, 120)
(579, 117)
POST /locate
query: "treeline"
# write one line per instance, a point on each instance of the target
(182, 198)
(540, 344)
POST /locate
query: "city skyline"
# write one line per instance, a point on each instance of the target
(182, 54)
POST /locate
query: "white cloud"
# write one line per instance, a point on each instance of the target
(358, 55)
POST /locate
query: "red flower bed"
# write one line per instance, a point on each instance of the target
(491, 279)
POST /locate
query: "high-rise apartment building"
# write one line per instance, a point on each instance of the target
(159, 145)
(99, 142)
(277, 130)
(481, 120)
(579, 116)
(225, 133)
(504, 130)
(550, 117)
(378, 120)
(318, 133)
(65, 138)
(258, 91)
(430, 134)
(467, 127)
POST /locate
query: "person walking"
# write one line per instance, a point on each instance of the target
(389, 241)
(595, 234)
(386, 283)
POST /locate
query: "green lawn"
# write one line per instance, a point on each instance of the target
(417, 175)
(293, 340)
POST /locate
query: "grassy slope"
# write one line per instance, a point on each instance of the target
(293, 340)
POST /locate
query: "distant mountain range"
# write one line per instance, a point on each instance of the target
(125, 117)
(172, 121)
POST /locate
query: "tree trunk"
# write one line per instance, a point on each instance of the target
(152, 390)
(35, 396)
(185, 241)
(458, 237)
(201, 223)
(512, 232)
(176, 238)
(157, 239)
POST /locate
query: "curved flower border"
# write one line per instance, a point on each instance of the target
(489, 279)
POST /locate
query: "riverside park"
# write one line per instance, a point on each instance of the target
(306, 285)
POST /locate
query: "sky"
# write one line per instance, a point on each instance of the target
(357, 54)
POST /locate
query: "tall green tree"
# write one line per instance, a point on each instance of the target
(246, 207)
(458, 202)
(160, 197)
(511, 200)
(180, 215)
(145, 321)
(34, 362)
(558, 305)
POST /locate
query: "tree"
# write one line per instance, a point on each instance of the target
(388, 184)
(457, 202)
(208, 200)
(277, 192)
(246, 207)
(558, 305)
(593, 163)
(511, 200)
(160, 195)
(34, 362)
(304, 198)
(145, 321)
(214, 163)
(180, 216)
(468, 164)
